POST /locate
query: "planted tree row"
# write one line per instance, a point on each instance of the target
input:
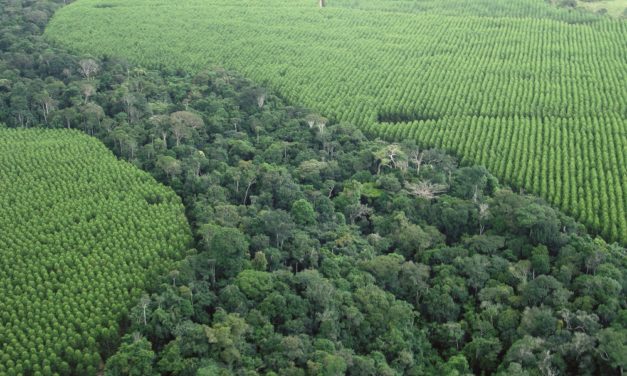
(82, 234)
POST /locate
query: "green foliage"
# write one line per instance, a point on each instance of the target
(385, 292)
(134, 358)
(500, 83)
(303, 213)
(255, 284)
(409, 265)
(82, 235)
(613, 346)
(227, 246)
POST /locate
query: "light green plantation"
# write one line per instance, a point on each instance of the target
(82, 235)
(536, 93)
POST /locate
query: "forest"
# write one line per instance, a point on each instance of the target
(533, 91)
(72, 258)
(317, 250)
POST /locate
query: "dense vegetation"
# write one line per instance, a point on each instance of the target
(318, 252)
(534, 92)
(322, 253)
(81, 234)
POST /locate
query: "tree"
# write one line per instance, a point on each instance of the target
(188, 119)
(196, 162)
(161, 127)
(171, 361)
(473, 183)
(385, 269)
(303, 212)
(248, 175)
(454, 332)
(539, 222)
(47, 104)
(439, 305)
(125, 137)
(357, 211)
(483, 353)
(391, 155)
(413, 281)
(411, 239)
(456, 365)
(546, 290)
(192, 339)
(183, 122)
(540, 262)
(416, 158)
(144, 303)
(485, 244)
(228, 247)
(134, 358)
(88, 90)
(538, 322)
(19, 105)
(317, 121)
(88, 68)
(525, 351)
(93, 115)
(613, 347)
(330, 364)
(171, 166)
(425, 189)
(255, 284)
(260, 95)
(484, 213)
(475, 269)
(311, 170)
(278, 224)
(226, 337)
